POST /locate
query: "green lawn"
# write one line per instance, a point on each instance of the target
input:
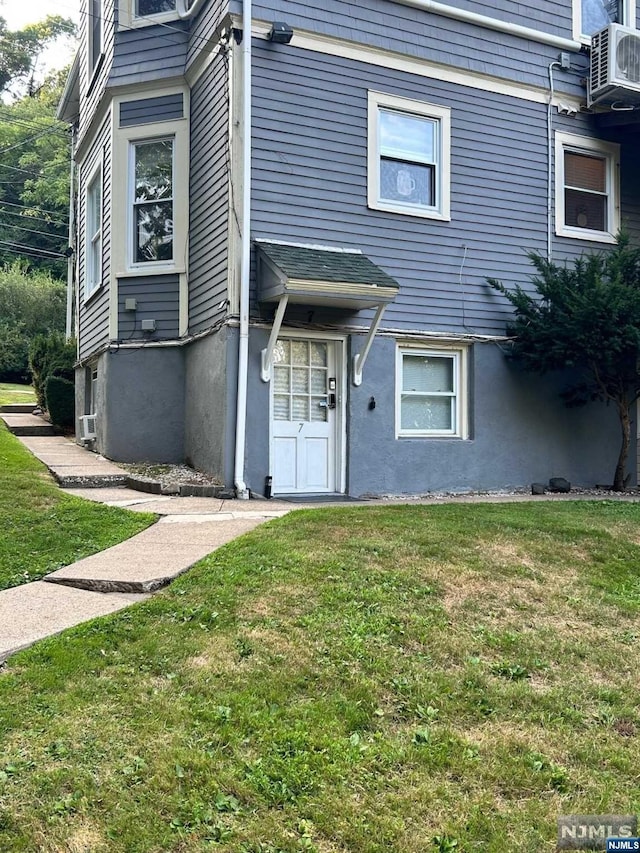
(41, 528)
(10, 393)
(379, 679)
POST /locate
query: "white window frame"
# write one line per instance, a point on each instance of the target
(610, 151)
(442, 117)
(93, 248)
(94, 59)
(122, 224)
(128, 20)
(459, 356)
(628, 19)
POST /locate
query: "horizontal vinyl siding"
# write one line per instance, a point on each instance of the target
(147, 54)
(203, 26)
(310, 185)
(425, 35)
(158, 298)
(165, 108)
(208, 224)
(94, 313)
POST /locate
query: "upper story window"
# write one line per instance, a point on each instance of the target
(587, 182)
(591, 16)
(93, 247)
(152, 201)
(154, 7)
(143, 13)
(409, 156)
(95, 33)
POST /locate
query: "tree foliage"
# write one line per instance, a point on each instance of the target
(21, 51)
(34, 180)
(585, 316)
(31, 304)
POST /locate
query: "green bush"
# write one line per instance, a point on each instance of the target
(31, 304)
(49, 354)
(60, 401)
(14, 351)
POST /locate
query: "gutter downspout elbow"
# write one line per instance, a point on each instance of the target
(242, 491)
(185, 11)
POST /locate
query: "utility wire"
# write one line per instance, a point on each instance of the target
(32, 231)
(29, 171)
(30, 207)
(27, 141)
(57, 223)
(30, 249)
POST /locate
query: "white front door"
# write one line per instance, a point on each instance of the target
(305, 416)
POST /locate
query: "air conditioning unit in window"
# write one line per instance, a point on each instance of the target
(615, 66)
(87, 427)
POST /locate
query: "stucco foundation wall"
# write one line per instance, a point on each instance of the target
(520, 432)
(142, 411)
(210, 382)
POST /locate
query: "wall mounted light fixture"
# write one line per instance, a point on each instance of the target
(280, 33)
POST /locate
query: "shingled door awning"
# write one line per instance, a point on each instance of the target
(317, 275)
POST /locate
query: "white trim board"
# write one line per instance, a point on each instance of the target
(420, 67)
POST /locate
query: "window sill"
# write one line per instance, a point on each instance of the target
(134, 23)
(588, 236)
(435, 436)
(143, 271)
(87, 300)
(420, 212)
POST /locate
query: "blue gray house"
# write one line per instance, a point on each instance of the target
(286, 215)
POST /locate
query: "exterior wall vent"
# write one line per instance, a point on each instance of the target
(615, 66)
(87, 427)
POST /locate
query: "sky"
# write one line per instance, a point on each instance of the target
(17, 13)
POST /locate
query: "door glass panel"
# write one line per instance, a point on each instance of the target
(281, 352)
(299, 352)
(319, 411)
(281, 378)
(300, 380)
(318, 381)
(281, 407)
(319, 355)
(299, 408)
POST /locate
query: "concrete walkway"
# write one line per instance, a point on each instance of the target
(188, 529)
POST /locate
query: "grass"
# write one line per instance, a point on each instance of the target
(41, 528)
(10, 393)
(369, 679)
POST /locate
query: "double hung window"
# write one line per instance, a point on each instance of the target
(409, 156)
(93, 252)
(94, 22)
(152, 202)
(154, 7)
(586, 188)
(430, 396)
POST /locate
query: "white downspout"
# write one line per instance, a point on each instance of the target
(245, 263)
(492, 23)
(69, 329)
(185, 11)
